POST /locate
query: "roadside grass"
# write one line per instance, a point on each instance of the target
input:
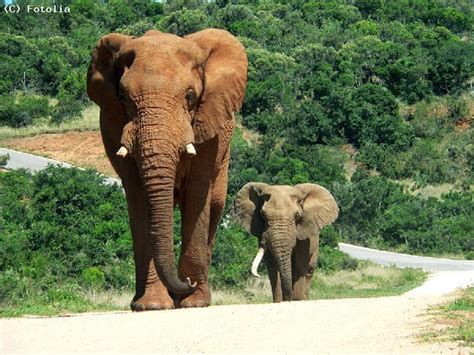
(454, 320)
(369, 280)
(63, 302)
(89, 121)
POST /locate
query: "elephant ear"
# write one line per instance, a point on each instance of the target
(104, 74)
(247, 204)
(319, 210)
(225, 79)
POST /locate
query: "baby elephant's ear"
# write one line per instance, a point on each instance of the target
(247, 204)
(319, 210)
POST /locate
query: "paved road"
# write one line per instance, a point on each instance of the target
(405, 260)
(34, 163)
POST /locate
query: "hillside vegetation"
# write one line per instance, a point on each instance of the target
(377, 86)
(369, 98)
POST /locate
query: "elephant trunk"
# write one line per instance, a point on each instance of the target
(281, 245)
(283, 261)
(158, 157)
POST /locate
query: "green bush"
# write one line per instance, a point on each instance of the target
(232, 257)
(4, 159)
(329, 236)
(68, 108)
(332, 259)
(93, 277)
(378, 213)
(61, 227)
(22, 110)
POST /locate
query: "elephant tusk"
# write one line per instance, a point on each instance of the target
(122, 152)
(256, 261)
(190, 149)
(192, 284)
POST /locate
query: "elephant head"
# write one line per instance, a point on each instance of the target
(281, 215)
(166, 95)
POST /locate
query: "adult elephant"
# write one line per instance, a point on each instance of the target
(287, 221)
(167, 115)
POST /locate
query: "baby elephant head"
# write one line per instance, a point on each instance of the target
(281, 215)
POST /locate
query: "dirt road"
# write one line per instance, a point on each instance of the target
(377, 325)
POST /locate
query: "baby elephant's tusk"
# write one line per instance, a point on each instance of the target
(192, 284)
(122, 152)
(190, 149)
(256, 261)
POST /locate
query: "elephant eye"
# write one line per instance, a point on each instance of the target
(298, 215)
(190, 99)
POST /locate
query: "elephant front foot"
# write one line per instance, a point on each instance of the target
(155, 298)
(201, 297)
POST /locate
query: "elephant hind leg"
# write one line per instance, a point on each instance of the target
(300, 268)
(309, 274)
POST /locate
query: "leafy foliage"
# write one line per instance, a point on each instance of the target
(61, 226)
(378, 213)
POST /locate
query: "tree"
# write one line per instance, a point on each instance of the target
(451, 65)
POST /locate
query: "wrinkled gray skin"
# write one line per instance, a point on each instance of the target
(287, 221)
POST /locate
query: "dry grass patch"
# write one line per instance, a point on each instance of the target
(89, 121)
(114, 298)
(83, 149)
(453, 320)
(369, 280)
(255, 291)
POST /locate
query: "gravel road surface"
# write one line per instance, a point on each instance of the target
(378, 325)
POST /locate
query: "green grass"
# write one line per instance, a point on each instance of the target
(88, 122)
(369, 280)
(456, 320)
(60, 302)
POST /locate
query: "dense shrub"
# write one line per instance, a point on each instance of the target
(331, 259)
(22, 110)
(232, 257)
(4, 159)
(61, 226)
(377, 212)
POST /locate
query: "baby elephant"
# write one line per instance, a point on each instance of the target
(287, 221)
